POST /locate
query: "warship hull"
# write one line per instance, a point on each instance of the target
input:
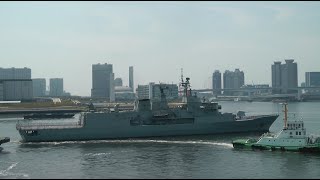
(96, 127)
(148, 119)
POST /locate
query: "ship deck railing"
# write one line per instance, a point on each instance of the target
(26, 125)
(251, 117)
(46, 126)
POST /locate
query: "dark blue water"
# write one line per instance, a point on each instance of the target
(209, 156)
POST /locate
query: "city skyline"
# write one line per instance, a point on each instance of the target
(64, 39)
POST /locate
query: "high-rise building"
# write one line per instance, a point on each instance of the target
(170, 90)
(152, 91)
(238, 78)
(131, 78)
(289, 76)
(276, 77)
(124, 93)
(312, 79)
(17, 89)
(56, 87)
(1, 92)
(143, 91)
(16, 84)
(284, 77)
(232, 80)
(39, 87)
(15, 73)
(117, 82)
(216, 82)
(103, 81)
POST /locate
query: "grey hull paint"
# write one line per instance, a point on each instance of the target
(149, 119)
(119, 130)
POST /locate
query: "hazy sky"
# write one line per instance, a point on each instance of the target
(64, 39)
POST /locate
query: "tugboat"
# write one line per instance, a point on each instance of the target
(291, 138)
(3, 140)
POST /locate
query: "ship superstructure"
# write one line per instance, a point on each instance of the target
(147, 119)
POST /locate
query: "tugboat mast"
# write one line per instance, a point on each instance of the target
(285, 115)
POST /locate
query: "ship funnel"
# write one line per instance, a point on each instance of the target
(144, 105)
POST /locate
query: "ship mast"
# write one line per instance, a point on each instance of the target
(182, 75)
(285, 115)
(181, 88)
(185, 87)
(163, 100)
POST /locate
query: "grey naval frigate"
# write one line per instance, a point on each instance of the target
(147, 119)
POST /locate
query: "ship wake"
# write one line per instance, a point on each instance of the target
(199, 142)
(7, 174)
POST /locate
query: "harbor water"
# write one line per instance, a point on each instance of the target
(205, 156)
